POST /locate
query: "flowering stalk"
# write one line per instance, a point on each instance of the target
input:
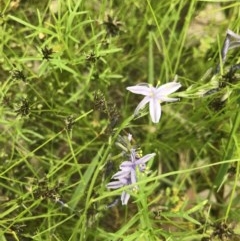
(128, 173)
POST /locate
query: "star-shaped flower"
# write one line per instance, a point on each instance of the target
(155, 96)
(128, 173)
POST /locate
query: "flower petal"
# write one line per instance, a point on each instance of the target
(168, 88)
(115, 185)
(125, 197)
(141, 105)
(155, 110)
(138, 89)
(121, 174)
(133, 176)
(144, 159)
(126, 166)
(168, 99)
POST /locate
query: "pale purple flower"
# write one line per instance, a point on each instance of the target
(155, 96)
(117, 184)
(128, 173)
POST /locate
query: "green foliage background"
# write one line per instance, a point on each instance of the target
(65, 66)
